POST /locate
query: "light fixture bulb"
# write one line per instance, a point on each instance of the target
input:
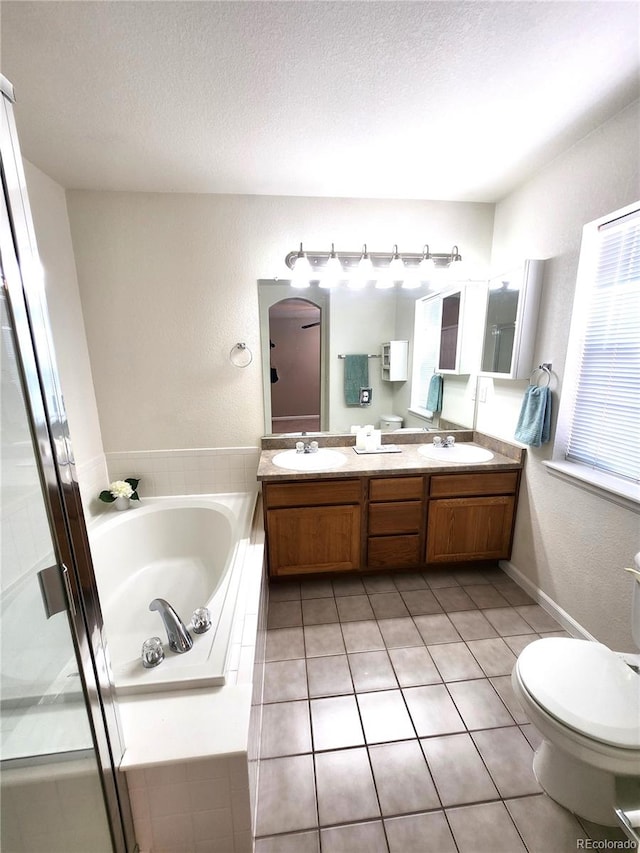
(302, 271)
(457, 269)
(363, 272)
(396, 266)
(333, 271)
(427, 265)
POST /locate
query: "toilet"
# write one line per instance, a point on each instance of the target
(390, 423)
(584, 699)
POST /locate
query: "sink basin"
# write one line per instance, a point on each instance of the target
(457, 453)
(322, 460)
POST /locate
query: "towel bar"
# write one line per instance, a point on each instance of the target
(369, 355)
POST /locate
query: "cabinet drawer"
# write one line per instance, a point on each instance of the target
(395, 488)
(316, 493)
(452, 485)
(398, 517)
(393, 551)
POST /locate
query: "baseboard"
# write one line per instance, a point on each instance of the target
(568, 622)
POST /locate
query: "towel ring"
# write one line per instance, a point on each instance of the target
(240, 355)
(545, 371)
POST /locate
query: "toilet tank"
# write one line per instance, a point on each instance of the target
(390, 422)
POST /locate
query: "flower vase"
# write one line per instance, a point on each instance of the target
(122, 503)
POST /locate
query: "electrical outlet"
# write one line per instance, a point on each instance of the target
(365, 396)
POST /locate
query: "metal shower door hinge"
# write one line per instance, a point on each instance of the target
(55, 590)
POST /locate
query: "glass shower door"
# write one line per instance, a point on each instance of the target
(51, 792)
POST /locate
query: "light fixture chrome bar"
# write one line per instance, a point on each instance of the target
(350, 260)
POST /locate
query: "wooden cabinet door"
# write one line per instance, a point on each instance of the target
(313, 539)
(469, 529)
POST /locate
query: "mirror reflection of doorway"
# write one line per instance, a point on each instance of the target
(294, 344)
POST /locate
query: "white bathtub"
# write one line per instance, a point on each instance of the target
(187, 549)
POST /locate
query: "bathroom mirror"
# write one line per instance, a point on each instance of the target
(351, 322)
(294, 331)
(510, 322)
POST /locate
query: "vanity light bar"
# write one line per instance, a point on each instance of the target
(379, 260)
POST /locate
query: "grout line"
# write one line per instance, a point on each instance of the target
(355, 693)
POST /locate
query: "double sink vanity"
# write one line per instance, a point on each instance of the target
(411, 505)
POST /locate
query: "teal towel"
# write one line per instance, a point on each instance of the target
(434, 395)
(534, 422)
(356, 376)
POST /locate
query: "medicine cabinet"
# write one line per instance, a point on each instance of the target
(394, 358)
(459, 329)
(511, 317)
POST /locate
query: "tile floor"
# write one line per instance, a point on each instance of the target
(389, 721)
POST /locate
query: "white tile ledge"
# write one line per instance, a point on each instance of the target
(161, 728)
(607, 486)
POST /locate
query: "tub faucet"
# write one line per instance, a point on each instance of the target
(180, 640)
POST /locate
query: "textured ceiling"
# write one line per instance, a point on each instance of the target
(439, 100)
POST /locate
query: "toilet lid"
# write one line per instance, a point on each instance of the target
(586, 686)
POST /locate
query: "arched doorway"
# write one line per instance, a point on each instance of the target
(294, 333)
(294, 344)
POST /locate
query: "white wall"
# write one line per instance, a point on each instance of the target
(169, 284)
(51, 222)
(569, 542)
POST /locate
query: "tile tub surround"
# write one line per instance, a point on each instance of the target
(66, 796)
(398, 730)
(208, 470)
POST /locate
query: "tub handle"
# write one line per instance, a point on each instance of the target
(152, 652)
(201, 620)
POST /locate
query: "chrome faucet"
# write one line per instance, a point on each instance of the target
(180, 640)
(449, 441)
(306, 447)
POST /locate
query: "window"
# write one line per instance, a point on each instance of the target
(604, 359)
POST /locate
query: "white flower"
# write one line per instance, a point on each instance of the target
(120, 489)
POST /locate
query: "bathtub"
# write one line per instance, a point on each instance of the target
(187, 549)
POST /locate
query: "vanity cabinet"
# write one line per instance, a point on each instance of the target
(510, 325)
(395, 522)
(313, 526)
(389, 521)
(471, 516)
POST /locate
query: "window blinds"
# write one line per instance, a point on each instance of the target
(605, 432)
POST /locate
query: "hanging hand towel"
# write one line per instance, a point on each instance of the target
(534, 422)
(434, 395)
(356, 376)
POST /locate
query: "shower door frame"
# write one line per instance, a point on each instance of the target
(61, 493)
